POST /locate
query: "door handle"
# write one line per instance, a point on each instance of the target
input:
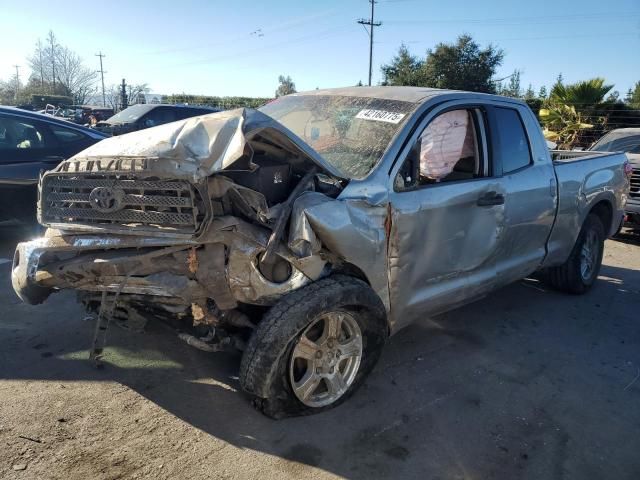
(490, 199)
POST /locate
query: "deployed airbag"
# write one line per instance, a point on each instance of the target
(443, 143)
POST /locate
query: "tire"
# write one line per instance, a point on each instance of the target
(573, 276)
(271, 363)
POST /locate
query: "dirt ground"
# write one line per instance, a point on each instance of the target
(527, 383)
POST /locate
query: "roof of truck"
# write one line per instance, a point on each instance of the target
(405, 94)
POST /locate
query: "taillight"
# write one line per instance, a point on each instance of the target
(628, 169)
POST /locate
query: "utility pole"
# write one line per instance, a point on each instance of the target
(17, 82)
(371, 24)
(52, 41)
(123, 95)
(104, 99)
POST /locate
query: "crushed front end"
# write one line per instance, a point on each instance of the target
(187, 221)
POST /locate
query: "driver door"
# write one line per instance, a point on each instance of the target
(446, 231)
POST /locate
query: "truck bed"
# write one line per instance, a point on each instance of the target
(566, 156)
(584, 179)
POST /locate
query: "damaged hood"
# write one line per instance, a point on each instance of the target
(197, 147)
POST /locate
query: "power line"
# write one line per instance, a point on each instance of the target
(104, 100)
(600, 17)
(371, 24)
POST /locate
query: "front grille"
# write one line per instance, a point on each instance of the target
(144, 204)
(635, 183)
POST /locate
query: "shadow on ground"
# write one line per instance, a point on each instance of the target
(527, 383)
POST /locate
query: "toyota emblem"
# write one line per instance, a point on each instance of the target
(105, 199)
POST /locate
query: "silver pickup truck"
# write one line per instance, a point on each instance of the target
(306, 232)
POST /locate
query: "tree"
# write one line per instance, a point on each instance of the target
(529, 93)
(592, 102)
(633, 96)
(11, 91)
(59, 70)
(404, 69)
(286, 86)
(512, 88)
(542, 93)
(583, 95)
(563, 124)
(462, 66)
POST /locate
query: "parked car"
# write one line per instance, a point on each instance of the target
(626, 140)
(29, 143)
(306, 232)
(138, 117)
(81, 114)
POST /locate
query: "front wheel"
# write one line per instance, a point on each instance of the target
(581, 269)
(314, 348)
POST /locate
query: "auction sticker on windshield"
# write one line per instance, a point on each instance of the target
(380, 115)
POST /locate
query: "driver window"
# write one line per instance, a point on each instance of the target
(15, 134)
(447, 150)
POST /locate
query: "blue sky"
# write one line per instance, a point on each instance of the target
(207, 47)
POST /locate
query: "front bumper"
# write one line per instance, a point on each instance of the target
(221, 266)
(27, 278)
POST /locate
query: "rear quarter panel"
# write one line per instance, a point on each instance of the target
(582, 184)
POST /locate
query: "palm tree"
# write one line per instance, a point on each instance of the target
(584, 95)
(582, 103)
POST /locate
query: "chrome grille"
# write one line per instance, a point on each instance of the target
(635, 183)
(65, 199)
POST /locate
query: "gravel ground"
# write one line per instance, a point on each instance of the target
(527, 383)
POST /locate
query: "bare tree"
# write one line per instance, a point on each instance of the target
(112, 96)
(79, 80)
(9, 91)
(61, 69)
(136, 93)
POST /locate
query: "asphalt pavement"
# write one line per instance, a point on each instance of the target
(527, 383)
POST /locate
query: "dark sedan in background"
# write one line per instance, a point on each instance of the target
(139, 117)
(29, 143)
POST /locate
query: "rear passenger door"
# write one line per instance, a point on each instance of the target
(527, 175)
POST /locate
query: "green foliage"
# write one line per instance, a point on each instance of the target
(542, 93)
(562, 124)
(462, 66)
(535, 104)
(512, 88)
(589, 99)
(404, 69)
(219, 102)
(529, 93)
(286, 86)
(582, 94)
(633, 97)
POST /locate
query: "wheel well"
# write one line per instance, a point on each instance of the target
(350, 270)
(605, 213)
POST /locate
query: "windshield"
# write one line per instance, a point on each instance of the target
(351, 133)
(130, 114)
(613, 142)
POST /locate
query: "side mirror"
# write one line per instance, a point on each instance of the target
(149, 123)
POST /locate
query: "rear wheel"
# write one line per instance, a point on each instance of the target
(314, 348)
(581, 269)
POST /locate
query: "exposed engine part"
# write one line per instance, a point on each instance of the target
(215, 341)
(285, 211)
(203, 345)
